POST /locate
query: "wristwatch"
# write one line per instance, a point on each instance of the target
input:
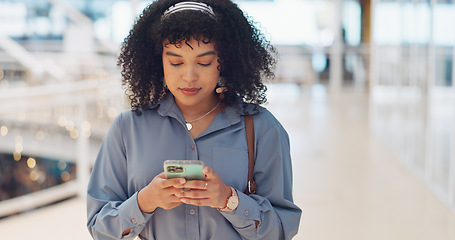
(231, 203)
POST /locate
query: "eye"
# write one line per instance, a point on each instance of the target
(176, 64)
(205, 64)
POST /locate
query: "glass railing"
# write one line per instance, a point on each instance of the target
(412, 90)
(49, 136)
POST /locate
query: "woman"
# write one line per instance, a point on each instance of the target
(192, 71)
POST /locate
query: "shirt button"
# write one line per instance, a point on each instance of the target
(134, 221)
(192, 211)
(193, 147)
(246, 213)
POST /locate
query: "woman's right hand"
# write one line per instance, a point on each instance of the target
(160, 192)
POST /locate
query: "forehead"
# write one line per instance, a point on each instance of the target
(189, 45)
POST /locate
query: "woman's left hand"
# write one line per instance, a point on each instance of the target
(210, 192)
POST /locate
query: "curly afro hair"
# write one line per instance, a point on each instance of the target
(246, 57)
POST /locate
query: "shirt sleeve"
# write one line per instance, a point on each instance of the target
(110, 210)
(272, 205)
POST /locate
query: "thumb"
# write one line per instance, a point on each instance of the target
(165, 183)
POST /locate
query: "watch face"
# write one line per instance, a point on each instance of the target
(233, 202)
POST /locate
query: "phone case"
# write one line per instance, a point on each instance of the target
(188, 169)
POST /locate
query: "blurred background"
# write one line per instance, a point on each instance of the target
(364, 88)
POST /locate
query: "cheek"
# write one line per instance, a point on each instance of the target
(170, 82)
(169, 74)
(214, 72)
(214, 77)
(167, 69)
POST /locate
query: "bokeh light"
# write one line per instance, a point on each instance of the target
(31, 162)
(3, 130)
(17, 156)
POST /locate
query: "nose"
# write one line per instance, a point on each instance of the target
(190, 74)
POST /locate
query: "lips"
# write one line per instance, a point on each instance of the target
(190, 91)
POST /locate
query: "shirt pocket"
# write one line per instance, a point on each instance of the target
(231, 165)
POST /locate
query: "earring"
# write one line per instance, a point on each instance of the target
(221, 88)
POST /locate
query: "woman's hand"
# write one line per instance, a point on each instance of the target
(160, 192)
(211, 192)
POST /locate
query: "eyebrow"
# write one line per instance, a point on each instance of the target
(200, 55)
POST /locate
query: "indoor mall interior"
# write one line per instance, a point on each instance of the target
(364, 88)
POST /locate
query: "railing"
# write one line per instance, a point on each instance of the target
(413, 110)
(75, 116)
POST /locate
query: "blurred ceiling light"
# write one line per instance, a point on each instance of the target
(3, 130)
(34, 176)
(61, 165)
(74, 133)
(17, 156)
(65, 176)
(19, 147)
(31, 162)
(86, 126)
(61, 121)
(69, 125)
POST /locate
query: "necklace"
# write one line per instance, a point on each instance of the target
(189, 126)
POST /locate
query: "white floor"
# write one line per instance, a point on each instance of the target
(348, 184)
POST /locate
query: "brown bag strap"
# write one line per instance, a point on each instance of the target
(249, 129)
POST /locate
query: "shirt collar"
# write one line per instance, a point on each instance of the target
(232, 114)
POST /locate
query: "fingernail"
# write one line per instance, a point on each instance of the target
(182, 181)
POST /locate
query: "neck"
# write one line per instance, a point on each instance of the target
(191, 112)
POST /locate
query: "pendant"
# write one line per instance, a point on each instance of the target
(189, 126)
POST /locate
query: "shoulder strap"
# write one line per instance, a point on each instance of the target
(249, 129)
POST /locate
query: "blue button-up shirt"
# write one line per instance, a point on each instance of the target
(136, 146)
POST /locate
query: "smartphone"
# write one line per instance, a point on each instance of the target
(188, 169)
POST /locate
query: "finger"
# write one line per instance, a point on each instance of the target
(173, 182)
(196, 201)
(194, 184)
(171, 191)
(193, 194)
(174, 199)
